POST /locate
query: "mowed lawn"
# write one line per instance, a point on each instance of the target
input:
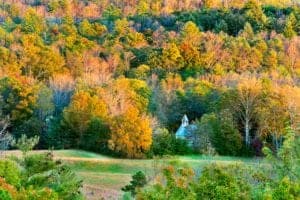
(104, 176)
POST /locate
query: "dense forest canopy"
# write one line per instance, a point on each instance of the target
(117, 76)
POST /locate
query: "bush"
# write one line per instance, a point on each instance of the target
(138, 181)
(41, 171)
(4, 195)
(176, 184)
(7, 191)
(286, 189)
(162, 143)
(217, 182)
(165, 143)
(10, 172)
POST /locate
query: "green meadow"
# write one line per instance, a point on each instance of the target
(104, 176)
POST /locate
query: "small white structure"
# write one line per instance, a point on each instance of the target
(187, 131)
(181, 133)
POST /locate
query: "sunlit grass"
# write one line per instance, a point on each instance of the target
(104, 175)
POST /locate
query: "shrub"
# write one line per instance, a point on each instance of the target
(162, 143)
(176, 184)
(10, 172)
(217, 182)
(41, 171)
(138, 181)
(286, 189)
(4, 195)
(165, 143)
(7, 191)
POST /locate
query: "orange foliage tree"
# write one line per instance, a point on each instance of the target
(131, 134)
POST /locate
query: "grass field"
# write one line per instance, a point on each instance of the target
(105, 176)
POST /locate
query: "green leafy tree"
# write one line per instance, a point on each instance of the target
(222, 133)
(289, 28)
(10, 171)
(255, 15)
(26, 144)
(138, 181)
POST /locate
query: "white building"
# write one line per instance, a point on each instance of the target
(186, 131)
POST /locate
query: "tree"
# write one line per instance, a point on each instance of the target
(96, 136)
(191, 38)
(122, 94)
(289, 28)
(255, 15)
(131, 134)
(19, 98)
(162, 143)
(222, 133)
(5, 137)
(175, 184)
(32, 22)
(39, 60)
(285, 167)
(248, 32)
(270, 59)
(26, 144)
(138, 181)
(62, 86)
(45, 105)
(244, 102)
(273, 114)
(143, 7)
(112, 13)
(171, 59)
(83, 108)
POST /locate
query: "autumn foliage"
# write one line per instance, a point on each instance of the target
(131, 134)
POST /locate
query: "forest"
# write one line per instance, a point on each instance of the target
(116, 77)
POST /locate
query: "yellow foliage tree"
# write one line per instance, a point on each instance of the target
(19, 97)
(131, 134)
(83, 108)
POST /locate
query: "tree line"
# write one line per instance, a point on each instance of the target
(119, 83)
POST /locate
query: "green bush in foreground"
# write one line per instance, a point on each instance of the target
(10, 172)
(37, 176)
(276, 179)
(138, 181)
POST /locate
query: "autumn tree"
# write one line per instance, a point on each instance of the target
(19, 98)
(84, 107)
(255, 14)
(289, 28)
(244, 101)
(123, 94)
(131, 134)
(190, 41)
(62, 87)
(38, 60)
(273, 114)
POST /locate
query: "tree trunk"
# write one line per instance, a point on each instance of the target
(247, 133)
